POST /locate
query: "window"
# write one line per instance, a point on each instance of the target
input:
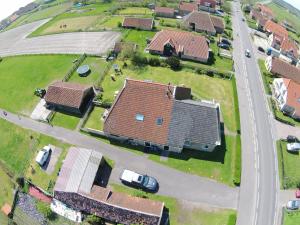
(139, 117)
(159, 121)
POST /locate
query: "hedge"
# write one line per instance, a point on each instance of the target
(237, 162)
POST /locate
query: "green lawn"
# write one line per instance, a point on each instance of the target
(40, 14)
(217, 165)
(291, 163)
(181, 214)
(95, 10)
(110, 22)
(6, 190)
(94, 121)
(201, 87)
(135, 11)
(266, 76)
(3, 218)
(65, 120)
(139, 37)
(97, 66)
(21, 75)
(291, 218)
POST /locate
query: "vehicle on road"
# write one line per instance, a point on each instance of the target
(293, 147)
(243, 19)
(247, 53)
(291, 139)
(136, 180)
(224, 46)
(293, 204)
(43, 155)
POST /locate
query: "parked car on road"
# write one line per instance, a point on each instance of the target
(261, 49)
(293, 204)
(222, 45)
(43, 155)
(247, 53)
(293, 147)
(291, 138)
(136, 180)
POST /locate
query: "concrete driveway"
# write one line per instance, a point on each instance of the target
(14, 42)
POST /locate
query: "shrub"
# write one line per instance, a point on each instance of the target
(1, 59)
(237, 163)
(231, 219)
(119, 24)
(94, 220)
(139, 60)
(25, 188)
(45, 210)
(154, 62)
(173, 62)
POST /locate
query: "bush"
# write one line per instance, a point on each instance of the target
(154, 62)
(237, 162)
(119, 24)
(94, 220)
(173, 62)
(1, 59)
(231, 219)
(45, 210)
(139, 60)
(25, 188)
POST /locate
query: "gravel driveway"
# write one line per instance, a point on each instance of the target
(14, 42)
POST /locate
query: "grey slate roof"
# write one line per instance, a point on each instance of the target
(194, 121)
(78, 171)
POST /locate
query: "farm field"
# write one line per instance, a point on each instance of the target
(21, 75)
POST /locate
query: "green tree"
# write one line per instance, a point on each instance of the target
(173, 62)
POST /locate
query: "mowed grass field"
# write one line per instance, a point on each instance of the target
(71, 25)
(94, 121)
(48, 12)
(183, 214)
(135, 11)
(21, 75)
(96, 11)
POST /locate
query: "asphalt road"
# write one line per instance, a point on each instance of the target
(259, 189)
(172, 182)
(14, 42)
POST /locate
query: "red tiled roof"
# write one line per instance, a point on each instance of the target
(212, 3)
(66, 93)
(265, 10)
(164, 10)
(152, 100)
(275, 28)
(286, 70)
(217, 22)
(293, 94)
(189, 7)
(141, 23)
(202, 21)
(288, 45)
(191, 44)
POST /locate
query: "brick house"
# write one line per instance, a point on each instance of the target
(164, 12)
(138, 23)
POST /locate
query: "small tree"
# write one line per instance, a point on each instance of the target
(173, 62)
(45, 210)
(154, 61)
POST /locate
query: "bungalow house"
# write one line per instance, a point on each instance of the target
(138, 23)
(78, 187)
(187, 7)
(283, 69)
(68, 97)
(260, 19)
(185, 45)
(164, 117)
(207, 5)
(274, 28)
(199, 22)
(287, 95)
(164, 12)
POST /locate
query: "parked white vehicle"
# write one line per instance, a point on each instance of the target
(43, 155)
(293, 205)
(293, 147)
